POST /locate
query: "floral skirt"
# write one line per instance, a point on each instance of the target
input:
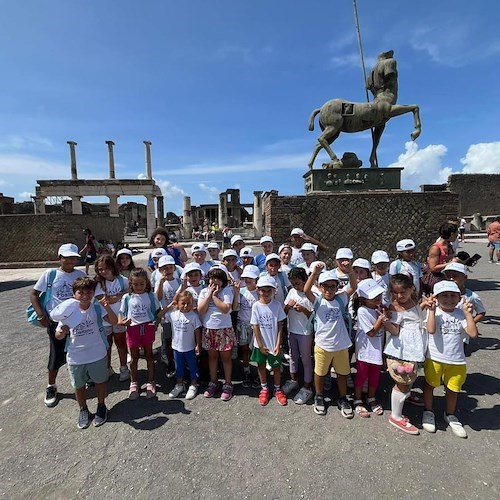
(222, 339)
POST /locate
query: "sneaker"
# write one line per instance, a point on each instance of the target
(133, 392)
(490, 262)
(428, 421)
(84, 418)
(256, 383)
(192, 392)
(455, 425)
(281, 397)
(124, 374)
(111, 372)
(415, 398)
(50, 396)
(211, 389)
(289, 386)
(303, 396)
(350, 382)
(404, 425)
(227, 392)
(327, 385)
(263, 397)
(319, 405)
(234, 352)
(247, 380)
(150, 390)
(101, 415)
(345, 408)
(176, 391)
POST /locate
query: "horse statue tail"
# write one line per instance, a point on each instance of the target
(311, 118)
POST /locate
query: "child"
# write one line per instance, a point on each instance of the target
(191, 281)
(267, 244)
(246, 257)
(331, 337)
(138, 312)
(113, 286)
(156, 255)
(230, 260)
(380, 274)
(343, 259)
(237, 243)
(56, 285)
(308, 251)
(405, 347)
(369, 343)
(285, 253)
(447, 326)
(160, 239)
(406, 264)
(125, 262)
(267, 318)
(218, 337)
(165, 291)
(186, 342)
(86, 347)
(273, 264)
(199, 254)
(213, 250)
(300, 338)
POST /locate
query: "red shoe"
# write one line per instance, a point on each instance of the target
(264, 397)
(404, 424)
(281, 397)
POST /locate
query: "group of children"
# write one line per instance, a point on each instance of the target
(257, 307)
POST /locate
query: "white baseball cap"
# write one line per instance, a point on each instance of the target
(445, 286)
(380, 256)
(266, 281)
(308, 247)
(272, 256)
(192, 266)
(158, 252)
(265, 239)
(236, 238)
(344, 253)
(362, 263)
(213, 244)
(369, 289)
(124, 251)
(246, 252)
(314, 264)
(198, 248)
(68, 250)
(456, 266)
(405, 245)
(297, 231)
(327, 276)
(166, 260)
(283, 246)
(229, 253)
(251, 272)
(68, 312)
(220, 265)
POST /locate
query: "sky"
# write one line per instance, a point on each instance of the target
(224, 90)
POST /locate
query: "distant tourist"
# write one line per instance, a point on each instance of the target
(494, 239)
(90, 249)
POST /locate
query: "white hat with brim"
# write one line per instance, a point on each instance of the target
(272, 256)
(158, 252)
(251, 272)
(124, 251)
(198, 247)
(236, 238)
(445, 286)
(68, 313)
(344, 253)
(213, 244)
(403, 245)
(456, 266)
(380, 256)
(264, 281)
(327, 276)
(266, 239)
(68, 250)
(166, 260)
(246, 252)
(296, 231)
(369, 289)
(283, 246)
(308, 247)
(363, 263)
(192, 266)
(229, 253)
(220, 266)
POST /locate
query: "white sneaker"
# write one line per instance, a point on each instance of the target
(192, 392)
(124, 374)
(428, 421)
(176, 391)
(289, 386)
(455, 426)
(303, 396)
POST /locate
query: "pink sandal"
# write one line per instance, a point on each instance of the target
(133, 392)
(150, 390)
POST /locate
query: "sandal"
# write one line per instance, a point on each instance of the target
(360, 410)
(133, 392)
(375, 406)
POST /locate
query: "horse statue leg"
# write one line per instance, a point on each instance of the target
(376, 135)
(401, 109)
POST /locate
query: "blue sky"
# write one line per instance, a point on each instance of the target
(224, 89)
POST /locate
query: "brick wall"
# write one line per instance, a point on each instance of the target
(478, 193)
(37, 237)
(362, 221)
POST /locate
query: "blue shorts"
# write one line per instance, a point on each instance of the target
(96, 372)
(495, 244)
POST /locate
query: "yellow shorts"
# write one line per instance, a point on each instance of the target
(324, 359)
(453, 376)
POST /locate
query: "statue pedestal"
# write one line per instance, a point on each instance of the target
(352, 179)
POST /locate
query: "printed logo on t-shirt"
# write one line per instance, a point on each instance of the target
(139, 312)
(451, 326)
(266, 320)
(332, 314)
(63, 292)
(86, 327)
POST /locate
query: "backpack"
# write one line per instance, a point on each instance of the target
(45, 297)
(100, 324)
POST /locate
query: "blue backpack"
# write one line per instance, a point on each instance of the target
(45, 297)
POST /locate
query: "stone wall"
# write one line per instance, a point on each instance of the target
(478, 193)
(362, 221)
(28, 238)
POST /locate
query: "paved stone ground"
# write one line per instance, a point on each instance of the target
(211, 449)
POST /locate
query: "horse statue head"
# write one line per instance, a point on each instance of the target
(383, 79)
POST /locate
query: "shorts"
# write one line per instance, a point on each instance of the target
(324, 359)
(461, 230)
(453, 376)
(245, 333)
(109, 330)
(495, 244)
(262, 359)
(402, 378)
(140, 335)
(57, 352)
(96, 372)
(221, 339)
(90, 258)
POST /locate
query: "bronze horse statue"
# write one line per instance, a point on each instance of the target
(337, 115)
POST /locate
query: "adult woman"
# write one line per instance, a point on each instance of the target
(90, 249)
(494, 239)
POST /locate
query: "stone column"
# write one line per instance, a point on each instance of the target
(150, 215)
(257, 213)
(113, 205)
(39, 205)
(160, 210)
(149, 173)
(187, 218)
(222, 210)
(76, 205)
(111, 159)
(72, 155)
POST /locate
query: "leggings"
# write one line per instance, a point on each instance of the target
(367, 371)
(301, 347)
(180, 358)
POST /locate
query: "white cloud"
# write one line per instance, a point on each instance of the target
(25, 196)
(209, 189)
(483, 158)
(170, 190)
(422, 166)
(22, 142)
(352, 60)
(29, 165)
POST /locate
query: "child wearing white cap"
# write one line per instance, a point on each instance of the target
(56, 286)
(267, 244)
(381, 261)
(125, 261)
(247, 257)
(273, 264)
(343, 260)
(406, 264)
(447, 326)
(191, 280)
(285, 253)
(199, 255)
(155, 257)
(298, 237)
(213, 250)
(309, 252)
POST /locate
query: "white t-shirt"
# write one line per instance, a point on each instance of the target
(86, 344)
(297, 321)
(296, 258)
(247, 300)
(206, 266)
(267, 317)
(62, 286)
(195, 292)
(331, 332)
(113, 288)
(183, 327)
(343, 279)
(169, 290)
(447, 343)
(383, 281)
(369, 349)
(474, 299)
(411, 268)
(214, 318)
(283, 285)
(138, 307)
